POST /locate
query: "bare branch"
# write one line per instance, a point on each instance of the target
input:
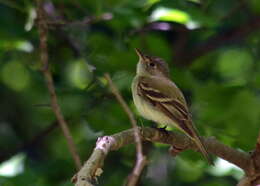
(140, 158)
(92, 167)
(43, 31)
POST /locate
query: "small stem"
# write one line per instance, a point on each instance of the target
(43, 32)
(140, 158)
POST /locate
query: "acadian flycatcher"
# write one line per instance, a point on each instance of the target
(157, 98)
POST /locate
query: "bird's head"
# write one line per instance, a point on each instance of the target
(151, 66)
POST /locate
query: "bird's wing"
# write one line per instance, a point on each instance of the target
(166, 97)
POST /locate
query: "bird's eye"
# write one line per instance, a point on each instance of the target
(151, 64)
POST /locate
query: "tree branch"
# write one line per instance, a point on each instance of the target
(92, 167)
(43, 31)
(140, 158)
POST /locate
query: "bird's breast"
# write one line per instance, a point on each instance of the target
(147, 110)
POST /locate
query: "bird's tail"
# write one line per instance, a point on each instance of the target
(202, 149)
(197, 140)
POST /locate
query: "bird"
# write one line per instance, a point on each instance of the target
(158, 99)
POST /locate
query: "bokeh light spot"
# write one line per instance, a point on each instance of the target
(223, 168)
(168, 14)
(234, 65)
(15, 76)
(80, 73)
(13, 166)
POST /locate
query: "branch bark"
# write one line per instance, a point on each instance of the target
(43, 32)
(93, 166)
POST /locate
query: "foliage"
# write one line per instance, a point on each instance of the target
(88, 38)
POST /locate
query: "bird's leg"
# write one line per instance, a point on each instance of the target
(164, 127)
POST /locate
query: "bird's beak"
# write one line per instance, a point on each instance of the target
(140, 54)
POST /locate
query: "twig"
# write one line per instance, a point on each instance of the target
(92, 167)
(140, 158)
(59, 24)
(43, 31)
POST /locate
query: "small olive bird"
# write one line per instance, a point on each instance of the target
(157, 98)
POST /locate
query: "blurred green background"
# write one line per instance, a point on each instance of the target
(212, 47)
